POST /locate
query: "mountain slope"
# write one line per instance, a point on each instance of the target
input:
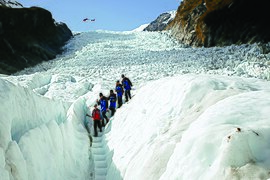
(29, 36)
(161, 22)
(219, 23)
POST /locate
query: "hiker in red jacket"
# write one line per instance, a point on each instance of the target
(96, 118)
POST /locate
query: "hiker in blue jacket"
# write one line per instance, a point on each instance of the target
(112, 99)
(127, 86)
(119, 90)
(103, 102)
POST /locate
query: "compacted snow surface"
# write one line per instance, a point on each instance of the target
(197, 113)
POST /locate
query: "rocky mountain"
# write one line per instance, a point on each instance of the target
(221, 22)
(161, 22)
(28, 36)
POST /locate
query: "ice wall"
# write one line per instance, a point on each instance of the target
(41, 138)
(192, 127)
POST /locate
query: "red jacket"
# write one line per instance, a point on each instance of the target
(96, 114)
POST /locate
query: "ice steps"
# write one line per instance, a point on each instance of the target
(100, 177)
(100, 165)
(97, 139)
(99, 155)
(99, 151)
(96, 145)
(101, 171)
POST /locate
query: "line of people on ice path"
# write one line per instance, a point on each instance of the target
(98, 116)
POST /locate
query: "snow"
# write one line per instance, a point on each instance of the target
(181, 130)
(11, 3)
(197, 113)
(141, 28)
(173, 14)
(41, 137)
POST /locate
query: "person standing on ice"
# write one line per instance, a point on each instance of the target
(112, 99)
(96, 118)
(119, 90)
(103, 102)
(127, 86)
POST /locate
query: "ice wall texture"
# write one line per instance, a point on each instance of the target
(41, 138)
(187, 128)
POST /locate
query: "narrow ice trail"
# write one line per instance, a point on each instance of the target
(99, 155)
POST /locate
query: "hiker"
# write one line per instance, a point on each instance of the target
(127, 86)
(119, 90)
(96, 118)
(103, 102)
(112, 99)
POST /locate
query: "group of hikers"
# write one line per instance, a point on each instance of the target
(98, 116)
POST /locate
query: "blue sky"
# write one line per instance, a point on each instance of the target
(116, 15)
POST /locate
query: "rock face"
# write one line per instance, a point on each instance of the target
(29, 36)
(161, 22)
(221, 22)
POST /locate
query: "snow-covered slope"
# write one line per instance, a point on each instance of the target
(181, 123)
(101, 56)
(173, 14)
(141, 28)
(10, 3)
(161, 22)
(193, 127)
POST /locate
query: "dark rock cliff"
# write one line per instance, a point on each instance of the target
(29, 36)
(221, 22)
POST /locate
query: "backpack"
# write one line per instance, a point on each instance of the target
(96, 114)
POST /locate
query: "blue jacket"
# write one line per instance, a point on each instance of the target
(103, 104)
(112, 98)
(119, 90)
(126, 83)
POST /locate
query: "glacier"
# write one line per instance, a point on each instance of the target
(197, 113)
